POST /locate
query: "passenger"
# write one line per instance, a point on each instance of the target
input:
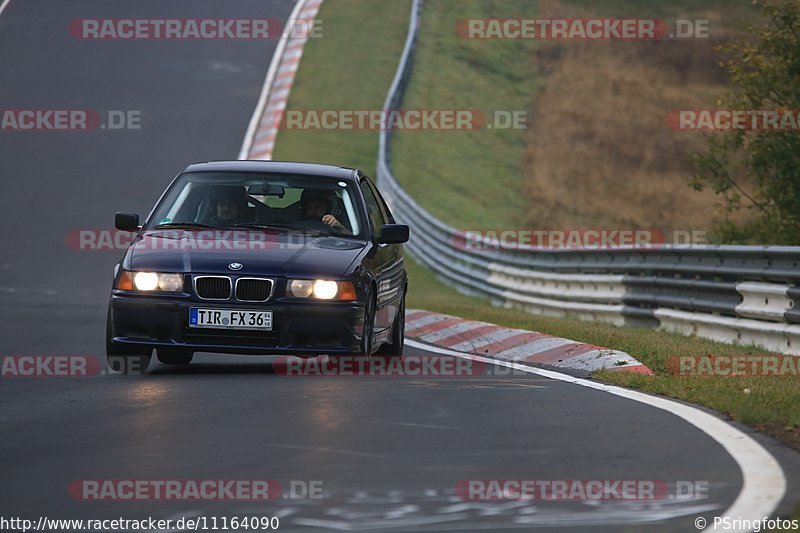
(316, 204)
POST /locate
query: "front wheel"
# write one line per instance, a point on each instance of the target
(394, 348)
(367, 331)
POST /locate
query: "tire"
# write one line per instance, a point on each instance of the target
(174, 356)
(127, 359)
(394, 348)
(366, 348)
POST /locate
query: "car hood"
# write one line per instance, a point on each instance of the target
(259, 253)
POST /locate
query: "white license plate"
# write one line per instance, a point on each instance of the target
(230, 319)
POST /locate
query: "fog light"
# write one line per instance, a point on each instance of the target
(301, 288)
(170, 282)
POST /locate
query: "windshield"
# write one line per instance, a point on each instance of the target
(249, 200)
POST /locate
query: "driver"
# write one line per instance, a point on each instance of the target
(316, 204)
(229, 207)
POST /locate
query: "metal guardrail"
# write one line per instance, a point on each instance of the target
(735, 294)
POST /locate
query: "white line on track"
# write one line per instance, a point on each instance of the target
(247, 142)
(3, 5)
(764, 484)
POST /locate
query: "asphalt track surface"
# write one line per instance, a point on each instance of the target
(387, 452)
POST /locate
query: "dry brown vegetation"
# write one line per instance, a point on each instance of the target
(600, 153)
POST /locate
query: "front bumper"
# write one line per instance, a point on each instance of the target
(303, 328)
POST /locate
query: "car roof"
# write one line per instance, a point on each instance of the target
(278, 167)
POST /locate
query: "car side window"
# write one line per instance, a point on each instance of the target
(376, 217)
(387, 215)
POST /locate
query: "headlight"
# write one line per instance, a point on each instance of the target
(150, 281)
(145, 281)
(325, 290)
(322, 289)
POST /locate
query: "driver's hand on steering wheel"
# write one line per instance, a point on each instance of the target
(331, 221)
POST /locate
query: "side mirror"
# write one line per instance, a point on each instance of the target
(126, 221)
(393, 234)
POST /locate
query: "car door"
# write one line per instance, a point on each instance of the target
(391, 279)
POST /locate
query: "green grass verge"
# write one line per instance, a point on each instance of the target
(350, 68)
(464, 177)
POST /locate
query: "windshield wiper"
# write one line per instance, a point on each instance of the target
(256, 225)
(185, 225)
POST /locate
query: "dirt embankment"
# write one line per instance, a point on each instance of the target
(600, 152)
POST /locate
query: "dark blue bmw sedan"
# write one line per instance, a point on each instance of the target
(259, 257)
